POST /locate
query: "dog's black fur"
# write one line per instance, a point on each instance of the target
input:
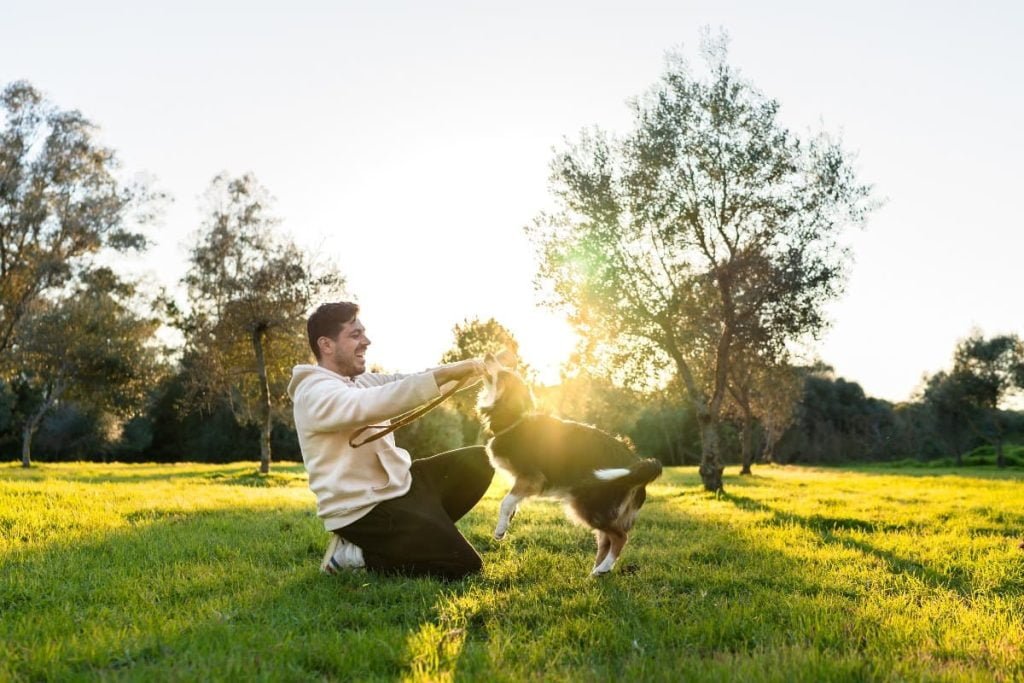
(554, 457)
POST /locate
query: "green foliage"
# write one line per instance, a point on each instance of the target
(669, 433)
(986, 456)
(946, 397)
(967, 399)
(197, 572)
(60, 201)
(69, 433)
(439, 430)
(89, 347)
(837, 422)
(249, 291)
(990, 368)
(707, 231)
(187, 428)
(174, 427)
(982, 456)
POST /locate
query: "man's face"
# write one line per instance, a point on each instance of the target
(346, 353)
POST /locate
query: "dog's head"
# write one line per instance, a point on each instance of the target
(505, 397)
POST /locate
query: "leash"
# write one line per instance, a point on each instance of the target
(512, 426)
(408, 417)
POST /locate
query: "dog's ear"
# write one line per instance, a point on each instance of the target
(492, 364)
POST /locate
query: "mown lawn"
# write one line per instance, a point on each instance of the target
(198, 572)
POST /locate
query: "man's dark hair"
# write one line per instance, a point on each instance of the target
(327, 321)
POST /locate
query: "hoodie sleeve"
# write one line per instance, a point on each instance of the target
(328, 405)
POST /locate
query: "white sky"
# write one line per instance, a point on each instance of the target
(409, 142)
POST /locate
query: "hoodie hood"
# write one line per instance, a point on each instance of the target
(300, 373)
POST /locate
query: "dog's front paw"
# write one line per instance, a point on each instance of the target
(498, 535)
(598, 572)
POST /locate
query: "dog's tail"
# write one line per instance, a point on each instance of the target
(639, 474)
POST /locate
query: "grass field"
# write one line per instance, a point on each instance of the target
(197, 572)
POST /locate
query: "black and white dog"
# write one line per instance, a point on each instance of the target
(601, 480)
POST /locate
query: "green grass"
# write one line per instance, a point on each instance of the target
(198, 572)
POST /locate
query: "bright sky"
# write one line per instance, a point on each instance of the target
(409, 142)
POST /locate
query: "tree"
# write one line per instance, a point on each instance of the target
(762, 392)
(945, 394)
(987, 371)
(708, 228)
(60, 201)
(836, 421)
(88, 346)
(475, 338)
(778, 395)
(249, 290)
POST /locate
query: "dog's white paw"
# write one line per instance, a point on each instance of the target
(498, 535)
(605, 566)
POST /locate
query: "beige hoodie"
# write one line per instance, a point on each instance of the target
(348, 481)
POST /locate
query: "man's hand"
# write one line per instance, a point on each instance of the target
(474, 367)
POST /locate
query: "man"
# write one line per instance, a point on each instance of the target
(384, 511)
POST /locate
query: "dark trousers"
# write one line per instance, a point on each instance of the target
(415, 534)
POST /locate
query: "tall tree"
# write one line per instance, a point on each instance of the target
(989, 371)
(709, 227)
(90, 347)
(250, 290)
(60, 201)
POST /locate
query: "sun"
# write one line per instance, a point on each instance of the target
(546, 341)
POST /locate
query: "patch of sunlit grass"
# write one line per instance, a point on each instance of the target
(198, 571)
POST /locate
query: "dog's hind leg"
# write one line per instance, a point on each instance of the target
(617, 539)
(604, 544)
(523, 488)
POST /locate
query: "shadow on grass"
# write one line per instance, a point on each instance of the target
(222, 594)
(691, 599)
(828, 530)
(237, 595)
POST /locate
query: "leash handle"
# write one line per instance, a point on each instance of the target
(407, 417)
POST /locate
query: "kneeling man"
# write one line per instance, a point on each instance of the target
(384, 511)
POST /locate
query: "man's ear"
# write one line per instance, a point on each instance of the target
(323, 343)
(492, 364)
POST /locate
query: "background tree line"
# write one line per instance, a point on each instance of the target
(692, 254)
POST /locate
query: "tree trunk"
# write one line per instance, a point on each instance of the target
(711, 467)
(28, 431)
(747, 442)
(265, 417)
(50, 396)
(997, 425)
(26, 446)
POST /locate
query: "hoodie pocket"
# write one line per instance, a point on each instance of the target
(396, 469)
